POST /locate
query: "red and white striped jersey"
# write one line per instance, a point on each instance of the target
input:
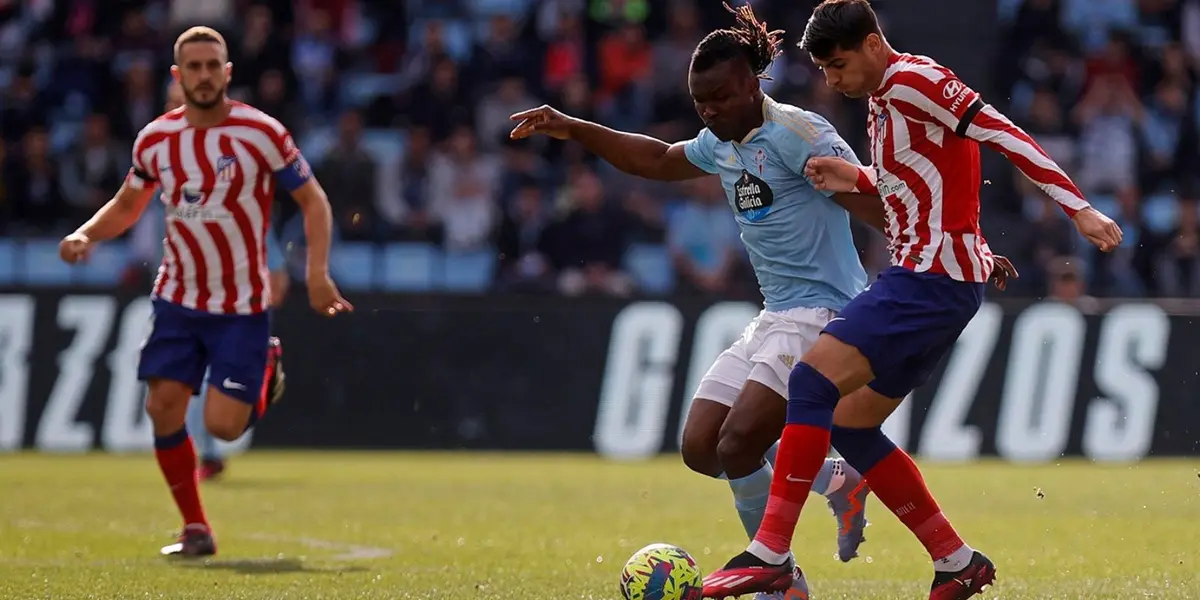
(925, 128)
(217, 185)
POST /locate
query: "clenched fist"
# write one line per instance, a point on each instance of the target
(75, 247)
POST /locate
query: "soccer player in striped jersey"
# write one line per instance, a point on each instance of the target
(800, 246)
(208, 448)
(925, 130)
(217, 163)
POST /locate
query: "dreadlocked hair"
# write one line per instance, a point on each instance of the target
(748, 38)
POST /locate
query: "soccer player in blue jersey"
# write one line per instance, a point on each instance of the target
(800, 247)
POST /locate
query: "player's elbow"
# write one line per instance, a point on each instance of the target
(312, 198)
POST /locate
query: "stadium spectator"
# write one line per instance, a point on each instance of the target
(589, 242)
(462, 186)
(352, 171)
(704, 240)
(1109, 88)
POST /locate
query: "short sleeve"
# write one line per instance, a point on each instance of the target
(800, 138)
(700, 151)
(142, 175)
(293, 171)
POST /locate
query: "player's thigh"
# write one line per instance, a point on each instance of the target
(864, 408)
(718, 391)
(237, 347)
(786, 337)
(758, 416)
(172, 362)
(753, 425)
(896, 327)
(238, 364)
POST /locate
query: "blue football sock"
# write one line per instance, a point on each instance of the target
(750, 495)
(771, 452)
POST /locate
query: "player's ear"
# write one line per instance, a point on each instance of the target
(228, 70)
(873, 43)
(175, 73)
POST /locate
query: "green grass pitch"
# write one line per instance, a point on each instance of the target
(555, 527)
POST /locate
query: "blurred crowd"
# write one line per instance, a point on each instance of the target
(403, 109)
(1109, 88)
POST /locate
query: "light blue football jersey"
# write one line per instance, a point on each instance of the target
(798, 238)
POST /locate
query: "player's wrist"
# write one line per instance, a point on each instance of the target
(1074, 214)
(863, 183)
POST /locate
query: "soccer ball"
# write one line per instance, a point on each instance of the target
(661, 572)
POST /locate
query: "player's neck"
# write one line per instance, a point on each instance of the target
(889, 56)
(207, 117)
(756, 120)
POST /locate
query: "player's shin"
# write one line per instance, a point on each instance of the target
(750, 493)
(897, 482)
(177, 459)
(802, 452)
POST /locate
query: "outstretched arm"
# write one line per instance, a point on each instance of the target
(632, 153)
(961, 110)
(935, 95)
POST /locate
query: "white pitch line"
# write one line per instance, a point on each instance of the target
(346, 551)
(349, 551)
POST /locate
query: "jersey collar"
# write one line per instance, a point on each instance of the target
(767, 103)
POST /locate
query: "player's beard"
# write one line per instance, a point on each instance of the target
(218, 96)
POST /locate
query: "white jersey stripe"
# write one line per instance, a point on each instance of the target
(933, 180)
(948, 259)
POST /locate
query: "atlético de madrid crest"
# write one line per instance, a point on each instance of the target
(226, 167)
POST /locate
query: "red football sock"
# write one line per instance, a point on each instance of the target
(802, 451)
(898, 484)
(178, 465)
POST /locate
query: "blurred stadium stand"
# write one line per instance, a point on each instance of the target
(402, 108)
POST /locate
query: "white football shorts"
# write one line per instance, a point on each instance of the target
(766, 353)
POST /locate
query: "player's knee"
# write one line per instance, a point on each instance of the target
(740, 450)
(836, 362)
(700, 454)
(864, 409)
(167, 402)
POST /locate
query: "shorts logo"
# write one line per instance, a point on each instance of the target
(788, 360)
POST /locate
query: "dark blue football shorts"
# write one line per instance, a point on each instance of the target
(905, 323)
(183, 343)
